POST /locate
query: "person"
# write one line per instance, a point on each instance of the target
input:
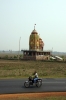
(35, 76)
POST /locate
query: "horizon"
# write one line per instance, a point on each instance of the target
(28, 49)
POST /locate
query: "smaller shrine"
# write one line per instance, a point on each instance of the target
(36, 46)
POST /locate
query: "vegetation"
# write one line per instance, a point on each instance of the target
(11, 56)
(22, 69)
(43, 98)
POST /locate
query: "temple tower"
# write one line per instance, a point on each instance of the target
(35, 42)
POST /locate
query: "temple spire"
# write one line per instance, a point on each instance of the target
(34, 26)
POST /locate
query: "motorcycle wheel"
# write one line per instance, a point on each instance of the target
(39, 83)
(26, 84)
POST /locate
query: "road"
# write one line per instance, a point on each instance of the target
(17, 86)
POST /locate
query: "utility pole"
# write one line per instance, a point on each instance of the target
(19, 47)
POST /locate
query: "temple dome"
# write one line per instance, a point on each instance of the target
(34, 32)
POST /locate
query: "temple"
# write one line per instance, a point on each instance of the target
(36, 47)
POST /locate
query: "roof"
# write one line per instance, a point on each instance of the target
(59, 57)
(34, 32)
(34, 51)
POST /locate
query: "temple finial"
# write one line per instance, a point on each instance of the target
(34, 26)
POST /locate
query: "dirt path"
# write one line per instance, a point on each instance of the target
(34, 95)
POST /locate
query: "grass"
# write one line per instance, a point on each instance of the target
(22, 69)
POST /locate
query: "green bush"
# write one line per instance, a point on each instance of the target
(6, 57)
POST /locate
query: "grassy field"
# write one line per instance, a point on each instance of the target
(44, 98)
(22, 69)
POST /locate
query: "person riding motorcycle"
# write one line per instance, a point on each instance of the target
(33, 79)
(35, 76)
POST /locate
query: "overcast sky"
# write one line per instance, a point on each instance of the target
(17, 19)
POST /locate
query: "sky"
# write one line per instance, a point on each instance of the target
(17, 19)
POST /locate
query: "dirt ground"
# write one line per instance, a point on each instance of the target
(34, 95)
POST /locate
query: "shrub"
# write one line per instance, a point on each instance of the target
(15, 56)
(6, 57)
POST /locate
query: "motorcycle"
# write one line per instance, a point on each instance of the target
(30, 82)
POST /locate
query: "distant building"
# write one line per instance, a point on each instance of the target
(35, 51)
(59, 58)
